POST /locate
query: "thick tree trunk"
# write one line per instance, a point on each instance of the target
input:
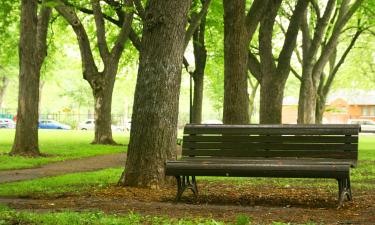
(103, 108)
(155, 111)
(3, 86)
(271, 100)
(198, 97)
(32, 51)
(236, 98)
(307, 102)
(320, 108)
(200, 57)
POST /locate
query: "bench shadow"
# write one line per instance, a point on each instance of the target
(261, 196)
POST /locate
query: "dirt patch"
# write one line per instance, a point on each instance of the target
(220, 201)
(64, 167)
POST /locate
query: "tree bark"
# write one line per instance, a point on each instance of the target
(273, 77)
(103, 104)
(32, 51)
(254, 89)
(236, 98)
(271, 100)
(4, 81)
(307, 101)
(155, 111)
(198, 97)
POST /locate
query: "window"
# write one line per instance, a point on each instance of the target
(365, 111)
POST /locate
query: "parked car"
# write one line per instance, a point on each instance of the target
(7, 123)
(367, 126)
(52, 124)
(90, 125)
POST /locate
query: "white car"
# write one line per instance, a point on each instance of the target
(367, 126)
(7, 123)
(90, 125)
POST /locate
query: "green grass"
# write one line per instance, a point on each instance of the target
(367, 147)
(10, 216)
(362, 177)
(69, 183)
(60, 145)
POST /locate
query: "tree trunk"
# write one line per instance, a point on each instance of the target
(103, 107)
(32, 51)
(307, 101)
(254, 88)
(271, 100)
(320, 108)
(236, 98)
(200, 57)
(155, 111)
(198, 97)
(3, 86)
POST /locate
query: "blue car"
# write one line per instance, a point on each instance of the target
(52, 124)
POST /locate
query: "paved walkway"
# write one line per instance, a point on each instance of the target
(64, 167)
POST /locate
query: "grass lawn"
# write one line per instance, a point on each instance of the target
(60, 145)
(9, 216)
(82, 181)
(89, 181)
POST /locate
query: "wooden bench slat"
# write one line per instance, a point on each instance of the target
(272, 153)
(270, 146)
(265, 170)
(276, 139)
(262, 160)
(272, 129)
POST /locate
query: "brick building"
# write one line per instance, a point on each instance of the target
(338, 109)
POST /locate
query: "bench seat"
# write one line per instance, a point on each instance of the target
(297, 168)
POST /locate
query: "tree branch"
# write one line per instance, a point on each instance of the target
(100, 30)
(253, 66)
(268, 65)
(254, 16)
(296, 74)
(306, 37)
(42, 31)
(316, 8)
(124, 33)
(284, 58)
(319, 32)
(344, 16)
(195, 22)
(132, 35)
(140, 8)
(88, 64)
(333, 73)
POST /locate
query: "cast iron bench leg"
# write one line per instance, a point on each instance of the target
(183, 183)
(344, 190)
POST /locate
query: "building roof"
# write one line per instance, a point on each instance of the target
(357, 97)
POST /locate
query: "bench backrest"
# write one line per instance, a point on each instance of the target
(269, 141)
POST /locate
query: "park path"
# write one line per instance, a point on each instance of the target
(60, 168)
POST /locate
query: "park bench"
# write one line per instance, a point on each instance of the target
(289, 151)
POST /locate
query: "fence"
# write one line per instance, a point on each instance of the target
(74, 119)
